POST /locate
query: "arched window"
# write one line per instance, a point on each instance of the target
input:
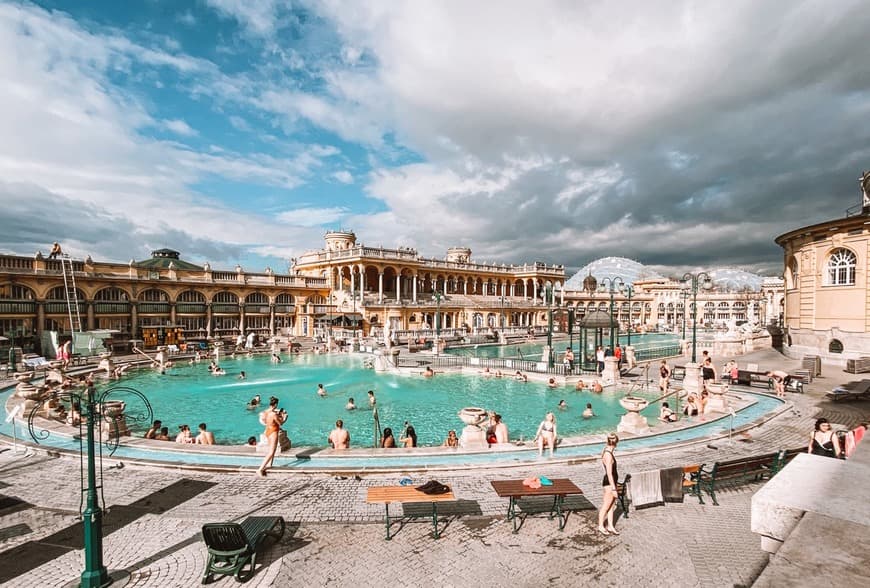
(841, 268)
(794, 273)
(835, 346)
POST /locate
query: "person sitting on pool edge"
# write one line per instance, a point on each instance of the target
(521, 377)
(452, 440)
(205, 437)
(388, 441)
(666, 415)
(339, 438)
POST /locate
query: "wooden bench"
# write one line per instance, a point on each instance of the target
(406, 494)
(744, 469)
(691, 481)
(783, 457)
(513, 490)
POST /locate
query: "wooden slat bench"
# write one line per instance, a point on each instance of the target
(691, 481)
(513, 490)
(744, 469)
(783, 457)
(406, 494)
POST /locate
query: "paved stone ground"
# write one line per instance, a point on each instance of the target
(335, 539)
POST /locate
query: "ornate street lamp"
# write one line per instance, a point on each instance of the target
(96, 409)
(684, 294)
(612, 285)
(571, 327)
(547, 296)
(693, 282)
(437, 297)
(629, 290)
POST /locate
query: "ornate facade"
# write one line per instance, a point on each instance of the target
(163, 294)
(827, 288)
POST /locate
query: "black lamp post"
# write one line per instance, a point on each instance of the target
(94, 411)
(547, 294)
(629, 290)
(612, 285)
(693, 282)
(571, 327)
(437, 297)
(684, 294)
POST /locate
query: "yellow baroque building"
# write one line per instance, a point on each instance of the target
(827, 288)
(376, 286)
(159, 300)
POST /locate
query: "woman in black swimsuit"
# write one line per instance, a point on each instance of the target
(823, 440)
(608, 500)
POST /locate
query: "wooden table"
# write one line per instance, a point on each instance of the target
(513, 490)
(406, 494)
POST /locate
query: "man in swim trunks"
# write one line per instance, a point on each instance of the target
(205, 437)
(339, 438)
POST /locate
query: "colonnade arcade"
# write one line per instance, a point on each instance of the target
(390, 283)
(27, 311)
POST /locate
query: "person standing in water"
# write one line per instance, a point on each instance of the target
(272, 418)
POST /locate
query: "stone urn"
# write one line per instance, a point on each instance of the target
(716, 400)
(473, 435)
(32, 395)
(113, 417)
(632, 421)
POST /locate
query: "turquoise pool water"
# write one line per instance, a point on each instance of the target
(533, 351)
(190, 395)
(400, 460)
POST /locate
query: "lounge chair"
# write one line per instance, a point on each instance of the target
(850, 391)
(232, 546)
(36, 363)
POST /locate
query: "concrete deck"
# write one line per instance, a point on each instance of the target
(335, 538)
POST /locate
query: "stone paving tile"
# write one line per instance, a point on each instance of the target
(335, 538)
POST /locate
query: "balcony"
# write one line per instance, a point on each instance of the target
(17, 307)
(112, 307)
(224, 308)
(256, 309)
(153, 308)
(190, 308)
(285, 309)
(58, 307)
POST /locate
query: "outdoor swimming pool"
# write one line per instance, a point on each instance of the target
(533, 351)
(190, 395)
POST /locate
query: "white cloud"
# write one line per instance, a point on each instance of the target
(311, 216)
(343, 176)
(179, 127)
(258, 17)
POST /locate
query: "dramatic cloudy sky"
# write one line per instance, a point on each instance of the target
(681, 134)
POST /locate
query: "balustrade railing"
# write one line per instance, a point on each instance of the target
(111, 307)
(17, 307)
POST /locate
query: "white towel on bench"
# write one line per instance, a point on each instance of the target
(646, 488)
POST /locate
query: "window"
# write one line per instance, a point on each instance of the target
(836, 346)
(794, 273)
(841, 268)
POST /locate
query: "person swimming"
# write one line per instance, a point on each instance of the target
(351, 405)
(254, 403)
(321, 391)
(587, 412)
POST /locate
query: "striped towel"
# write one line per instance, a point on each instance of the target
(646, 489)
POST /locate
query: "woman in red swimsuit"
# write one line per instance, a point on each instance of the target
(273, 419)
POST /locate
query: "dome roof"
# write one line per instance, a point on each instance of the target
(608, 267)
(729, 279)
(595, 320)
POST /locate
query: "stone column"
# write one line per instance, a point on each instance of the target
(208, 317)
(445, 287)
(535, 290)
(134, 320)
(525, 288)
(242, 318)
(272, 319)
(172, 315)
(465, 286)
(90, 315)
(398, 287)
(611, 371)
(352, 281)
(414, 288)
(380, 287)
(40, 318)
(692, 381)
(562, 295)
